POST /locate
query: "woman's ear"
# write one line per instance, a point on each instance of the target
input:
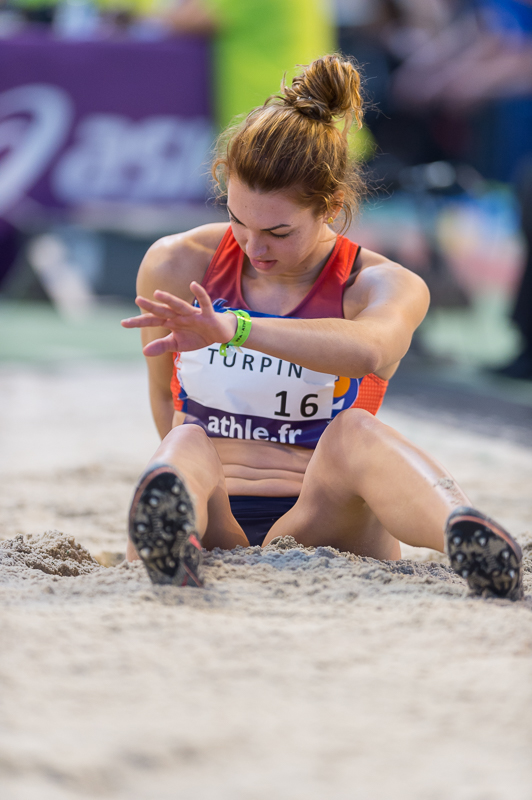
(337, 203)
(334, 206)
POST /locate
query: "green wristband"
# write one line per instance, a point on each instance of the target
(243, 329)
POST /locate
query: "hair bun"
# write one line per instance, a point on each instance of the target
(327, 89)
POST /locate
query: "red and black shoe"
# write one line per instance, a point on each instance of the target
(162, 528)
(483, 553)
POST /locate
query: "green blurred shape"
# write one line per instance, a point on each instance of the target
(481, 335)
(257, 42)
(33, 332)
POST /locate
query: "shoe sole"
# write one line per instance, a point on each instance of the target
(162, 528)
(483, 553)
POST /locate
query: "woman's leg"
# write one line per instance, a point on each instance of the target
(189, 451)
(367, 488)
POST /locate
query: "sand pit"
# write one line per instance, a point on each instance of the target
(296, 673)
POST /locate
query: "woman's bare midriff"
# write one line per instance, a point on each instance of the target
(262, 468)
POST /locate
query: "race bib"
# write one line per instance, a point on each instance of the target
(249, 395)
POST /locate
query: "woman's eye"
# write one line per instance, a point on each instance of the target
(275, 235)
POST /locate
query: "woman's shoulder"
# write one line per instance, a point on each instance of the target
(172, 262)
(378, 269)
(380, 282)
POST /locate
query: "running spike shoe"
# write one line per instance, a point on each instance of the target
(484, 554)
(162, 528)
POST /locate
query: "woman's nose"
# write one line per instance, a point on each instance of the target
(256, 246)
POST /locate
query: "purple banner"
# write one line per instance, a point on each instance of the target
(92, 122)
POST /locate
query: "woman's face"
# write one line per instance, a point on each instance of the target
(279, 236)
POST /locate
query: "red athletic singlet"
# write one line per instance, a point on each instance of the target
(223, 280)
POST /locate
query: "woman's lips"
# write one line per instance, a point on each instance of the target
(262, 265)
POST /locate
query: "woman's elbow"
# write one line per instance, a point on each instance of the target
(379, 357)
(364, 364)
(370, 361)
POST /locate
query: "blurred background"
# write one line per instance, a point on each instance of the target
(108, 113)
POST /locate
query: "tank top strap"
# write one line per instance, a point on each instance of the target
(222, 278)
(325, 298)
(346, 258)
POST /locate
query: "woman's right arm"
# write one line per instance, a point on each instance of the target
(159, 368)
(171, 264)
(161, 400)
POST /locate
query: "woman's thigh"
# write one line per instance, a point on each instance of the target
(367, 487)
(330, 512)
(324, 517)
(318, 520)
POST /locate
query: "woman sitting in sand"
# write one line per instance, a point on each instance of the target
(275, 338)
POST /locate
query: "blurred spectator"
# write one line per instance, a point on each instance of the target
(454, 80)
(435, 67)
(483, 71)
(255, 43)
(35, 11)
(479, 67)
(382, 35)
(92, 18)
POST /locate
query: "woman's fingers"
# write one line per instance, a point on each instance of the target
(177, 305)
(168, 305)
(169, 311)
(159, 309)
(144, 321)
(202, 297)
(160, 346)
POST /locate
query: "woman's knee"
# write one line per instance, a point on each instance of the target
(352, 426)
(349, 443)
(346, 451)
(188, 434)
(189, 446)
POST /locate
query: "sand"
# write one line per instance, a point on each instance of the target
(296, 673)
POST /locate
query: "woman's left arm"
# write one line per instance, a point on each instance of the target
(383, 307)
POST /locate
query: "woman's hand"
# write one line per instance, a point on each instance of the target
(191, 327)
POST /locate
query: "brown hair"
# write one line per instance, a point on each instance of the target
(293, 141)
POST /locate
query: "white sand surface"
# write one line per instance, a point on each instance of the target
(296, 674)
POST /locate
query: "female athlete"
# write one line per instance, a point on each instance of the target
(278, 437)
